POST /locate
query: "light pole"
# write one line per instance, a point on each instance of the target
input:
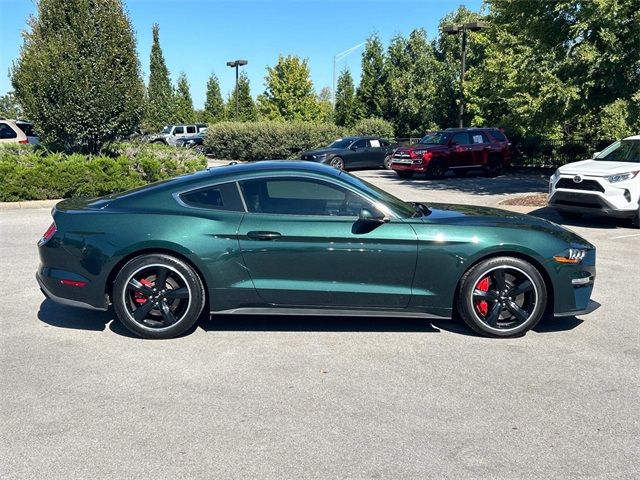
(236, 64)
(454, 30)
(337, 58)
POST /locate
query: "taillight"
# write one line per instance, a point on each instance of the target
(48, 234)
(23, 142)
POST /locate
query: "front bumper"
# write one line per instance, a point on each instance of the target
(592, 306)
(409, 167)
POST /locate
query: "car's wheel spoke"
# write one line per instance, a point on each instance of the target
(161, 278)
(516, 311)
(177, 293)
(489, 295)
(139, 287)
(524, 287)
(494, 314)
(498, 276)
(142, 311)
(167, 314)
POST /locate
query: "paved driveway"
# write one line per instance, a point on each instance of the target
(276, 398)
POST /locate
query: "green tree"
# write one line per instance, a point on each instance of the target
(247, 111)
(183, 106)
(78, 77)
(213, 105)
(159, 108)
(9, 106)
(289, 93)
(325, 107)
(345, 114)
(370, 99)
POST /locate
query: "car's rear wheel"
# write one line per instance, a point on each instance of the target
(403, 174)
(387, 162)
(493, 167)
(502, 297)
(337, 162)
(436, 169)
(158, 296)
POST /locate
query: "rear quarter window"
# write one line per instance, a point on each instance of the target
(27, 128)
(217, 197)
(498, 136)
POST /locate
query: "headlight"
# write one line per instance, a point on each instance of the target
(621, 177)
(571, 255)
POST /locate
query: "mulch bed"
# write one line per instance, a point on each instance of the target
(537, 200)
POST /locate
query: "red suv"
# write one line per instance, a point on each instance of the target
(457, 149)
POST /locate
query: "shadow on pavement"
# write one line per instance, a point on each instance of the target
(586, 221)
(509, 183)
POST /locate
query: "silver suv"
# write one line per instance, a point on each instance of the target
(171, 133)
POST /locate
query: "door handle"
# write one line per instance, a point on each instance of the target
(260, 235)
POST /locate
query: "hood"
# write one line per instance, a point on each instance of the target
(598, 167)
(471, 215)
(420, 146)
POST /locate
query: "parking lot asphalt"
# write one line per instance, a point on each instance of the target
(279, 398)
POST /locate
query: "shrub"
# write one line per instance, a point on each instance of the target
(267, 140)
(375, 127)
(28, 173)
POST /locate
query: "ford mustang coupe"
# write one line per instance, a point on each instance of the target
(299, 238)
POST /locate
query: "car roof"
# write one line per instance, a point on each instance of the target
(633, 137)
(468, 129)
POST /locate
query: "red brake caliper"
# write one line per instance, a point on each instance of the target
(140, 298)
(481, 305)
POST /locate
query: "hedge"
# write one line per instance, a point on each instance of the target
(28, 173)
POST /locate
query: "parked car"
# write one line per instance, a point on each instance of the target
(457, 149)
(607, 184)
(298, 238)
(171, 133)
(17, 131)
(353, 152)
(193, 141)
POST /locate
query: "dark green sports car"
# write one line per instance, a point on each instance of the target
(303, 238)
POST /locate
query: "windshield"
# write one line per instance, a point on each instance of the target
(399, 207)
(341, 143)
(438, 138)
(166, 129)
(621, 151)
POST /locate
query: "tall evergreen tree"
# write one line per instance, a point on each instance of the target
(159, 108)
(78, 77)
(183, 106)
(325, 108)
(247, 111)
(345, 112)
(370, 94)
(289, 94)
(213, 105)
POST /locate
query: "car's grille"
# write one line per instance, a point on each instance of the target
(589, 185)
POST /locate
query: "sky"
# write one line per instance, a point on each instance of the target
(198, 37)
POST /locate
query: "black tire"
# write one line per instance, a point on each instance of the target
(494, 167)
(404, 174)
(635, 221)
(436, 170)
(460, 172)
(569, 215)
(337, 162)
(154, 311)
(387, 162)
(159, 142)
(514, 296)
(199, 149)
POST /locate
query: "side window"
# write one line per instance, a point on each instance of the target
(6, 131)
(191, 129)
(297, 196)
(461, 138)
(217, 197)
(498, 136)
(374, 143)
(178, 130)
(360, 144)
(479, 137)
(384, 143)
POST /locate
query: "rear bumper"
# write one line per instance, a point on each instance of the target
(49, 282)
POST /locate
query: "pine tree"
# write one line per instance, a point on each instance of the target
(213, 105)
(370, 94)
(183, 106)
(159, 108)
(78, 77)
(345, 113)
(246, 106)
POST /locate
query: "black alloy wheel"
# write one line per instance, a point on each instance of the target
(493, 168)
(436, 170)
(158, 296)
(502, 297)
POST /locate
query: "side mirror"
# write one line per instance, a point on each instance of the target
(595, 154)
(353, 147)
(372, 216)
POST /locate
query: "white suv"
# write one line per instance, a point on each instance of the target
(608, 184)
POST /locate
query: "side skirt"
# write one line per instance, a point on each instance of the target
(326, 312)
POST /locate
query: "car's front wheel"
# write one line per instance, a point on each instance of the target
(337, 162)
(502, 297)
(635, 221)
(158, 296)
(403, 174)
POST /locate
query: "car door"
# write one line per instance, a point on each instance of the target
(376, 153)
(461, 154)
(303, 245)
(356, 156)
(480, 148)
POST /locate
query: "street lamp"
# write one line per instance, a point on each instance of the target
(236, 64)
(454, 30)
(337, 58)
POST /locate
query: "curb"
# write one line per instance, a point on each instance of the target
(29, 204)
